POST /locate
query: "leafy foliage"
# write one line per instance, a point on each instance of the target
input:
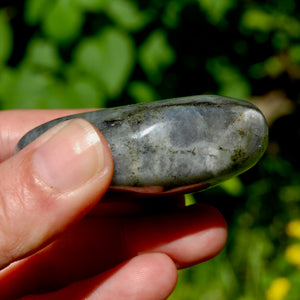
(96, 53)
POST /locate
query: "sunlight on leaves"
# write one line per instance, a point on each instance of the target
(142, 92)
(26, 89)
(278, 289)
(83, 92)
(292, 228)
(108, 57)
(43, 54)
(257, 19)
(189, 199)
(63, 22)
(126, 14)
(233, 187)
(156, 55)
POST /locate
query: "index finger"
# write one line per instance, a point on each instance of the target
(15, 123)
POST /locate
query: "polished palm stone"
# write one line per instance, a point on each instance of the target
(193, 141)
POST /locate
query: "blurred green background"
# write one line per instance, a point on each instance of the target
(103, 53)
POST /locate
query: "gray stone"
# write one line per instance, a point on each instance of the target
(180, 144)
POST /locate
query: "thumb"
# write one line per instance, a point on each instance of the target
(49, 185)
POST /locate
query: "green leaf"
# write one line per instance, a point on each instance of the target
(43, 54)
(56, 97)
(288, 24)
(6, 38)
(171, 13)
(142, 92)
(216, 10)
(76, 94)
(91, 5)
(156, 55)
(7, 80)
(233, 187)
(83, 92)
(257, 19)
(273, 66)
(108, 57)
(280, 40)
(126, 14)
(25, 88)
(35, 10)
(63, 22)
(294, 53)
(231, 81)
(189, 199)
(290, 193)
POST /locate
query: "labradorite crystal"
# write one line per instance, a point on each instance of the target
(178, 142)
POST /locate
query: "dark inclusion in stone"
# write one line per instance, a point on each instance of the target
(179, 144)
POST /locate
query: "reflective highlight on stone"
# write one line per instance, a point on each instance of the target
(178, 143)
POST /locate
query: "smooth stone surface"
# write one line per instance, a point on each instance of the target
(177, 144)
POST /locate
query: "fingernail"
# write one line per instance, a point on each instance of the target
(70, 155)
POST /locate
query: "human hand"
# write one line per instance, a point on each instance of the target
(57, 241)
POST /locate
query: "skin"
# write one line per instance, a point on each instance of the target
(71, 245)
